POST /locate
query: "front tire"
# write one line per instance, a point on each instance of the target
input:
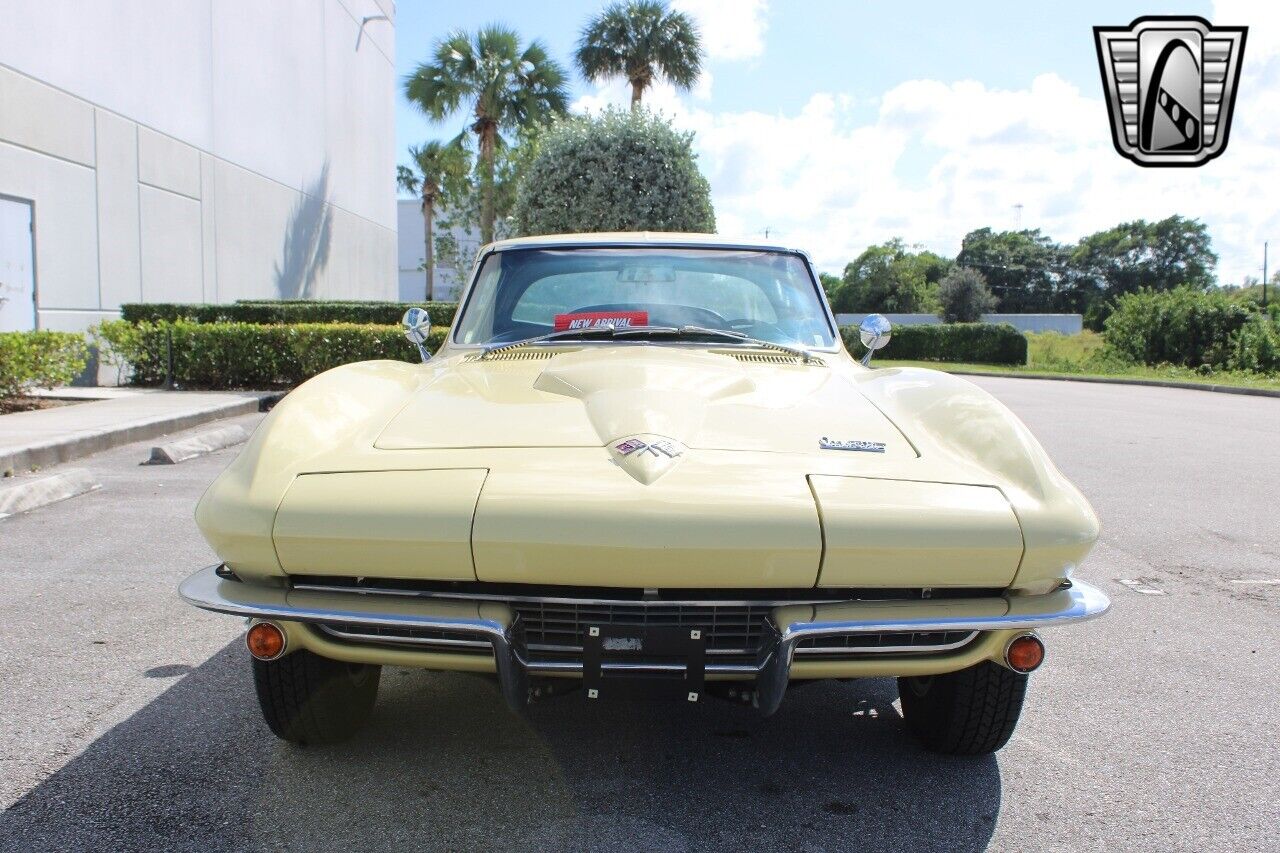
(309, 699)
(970, 712)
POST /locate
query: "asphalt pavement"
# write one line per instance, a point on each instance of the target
(127, 719)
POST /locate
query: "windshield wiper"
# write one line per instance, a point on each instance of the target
(635, 331)
(570, 334)
(742, 337)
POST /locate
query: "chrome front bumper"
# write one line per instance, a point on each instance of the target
(492, 622)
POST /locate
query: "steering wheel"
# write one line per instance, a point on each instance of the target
(744, 324)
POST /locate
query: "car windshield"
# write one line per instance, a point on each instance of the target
(527, 293)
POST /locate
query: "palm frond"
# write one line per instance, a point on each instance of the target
(641, 39)
(407, 179)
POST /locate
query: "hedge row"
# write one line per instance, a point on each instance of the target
(1194, 328)
(226, 356)
(39, 359)
(267, 312)
(977, 343)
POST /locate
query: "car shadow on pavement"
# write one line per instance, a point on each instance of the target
(444, 765)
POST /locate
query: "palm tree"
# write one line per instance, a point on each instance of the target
(506, 86)
(641, 39)
(435, 166)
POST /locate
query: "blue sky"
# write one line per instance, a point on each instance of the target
(839, 124)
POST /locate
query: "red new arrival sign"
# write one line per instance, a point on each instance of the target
(601, 319)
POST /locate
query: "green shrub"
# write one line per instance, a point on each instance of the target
(977, 343)
(624, 170)
(964, 296)
(1255, 346)
(249, 355)
(39, 359)
(267, 312)
(1186, 327)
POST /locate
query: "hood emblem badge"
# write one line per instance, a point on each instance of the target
(825, 443)
(647, 457)
(659, 447)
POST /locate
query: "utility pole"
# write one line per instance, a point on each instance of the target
(1264, 274)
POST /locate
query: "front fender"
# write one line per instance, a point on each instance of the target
(346, 405)
(949, 418)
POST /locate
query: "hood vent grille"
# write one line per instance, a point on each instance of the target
(515, 355)
(769, 358)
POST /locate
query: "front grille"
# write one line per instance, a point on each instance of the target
(885, 642)
(428, 638)
(728, 628)
(551, 622)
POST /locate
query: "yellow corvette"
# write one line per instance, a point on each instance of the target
(646, 463)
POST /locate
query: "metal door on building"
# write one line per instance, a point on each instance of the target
(17, 266)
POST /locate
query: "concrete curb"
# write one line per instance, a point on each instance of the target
(197, 445)
(1119, 380)
(66, 448)
(28, 494)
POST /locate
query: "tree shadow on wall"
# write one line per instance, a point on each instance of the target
(306, 241)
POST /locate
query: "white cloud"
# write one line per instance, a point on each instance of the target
(938, 159)
(731, 29)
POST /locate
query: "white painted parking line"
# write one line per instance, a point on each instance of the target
(1140, 586)
(1263, 581)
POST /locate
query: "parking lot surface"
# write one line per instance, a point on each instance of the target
(128, 719)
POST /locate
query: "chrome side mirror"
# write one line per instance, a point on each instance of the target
(875, 331)
(417, 328)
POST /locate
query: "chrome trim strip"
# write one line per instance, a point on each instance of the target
(1076, 603)
(556, 242)
(357, 637)
(551, 647)
(815, 280)
(538, 599)
(353, 636)
(551, 666)
(875, 650)
(206, 590)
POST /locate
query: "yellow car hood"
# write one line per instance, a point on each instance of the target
(594, 396)
(510, 470)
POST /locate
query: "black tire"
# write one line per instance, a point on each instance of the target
(309, 699)
(970, 712)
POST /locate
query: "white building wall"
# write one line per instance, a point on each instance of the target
(189, 150)
(412, 252)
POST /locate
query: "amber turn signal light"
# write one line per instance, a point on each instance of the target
(265, 641)
(1025, 653)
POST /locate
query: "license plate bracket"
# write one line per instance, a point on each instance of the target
(644, 661)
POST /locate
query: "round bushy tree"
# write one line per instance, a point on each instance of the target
(964, 296)
(619, 171)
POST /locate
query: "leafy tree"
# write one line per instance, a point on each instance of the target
(1026, 270)
(640, 40)
(830, 285)
(1251, 291)
(1173, 252)
(620, 171)
(964, 296)
(891, 278)
(433, 168)
(506, 86)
